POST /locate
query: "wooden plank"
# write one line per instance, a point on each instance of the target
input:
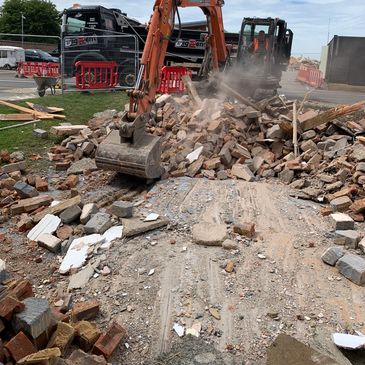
(18, 107)
(16, 117)
(44, 109)
(57, 208)
(19, 125)
(330, 115)
(67, 130)
(30, 204)
(191, 89)
(295, 130)
(31, 111)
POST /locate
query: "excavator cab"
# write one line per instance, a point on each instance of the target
(264, 51)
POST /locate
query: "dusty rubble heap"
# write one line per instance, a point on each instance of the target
(220, 140)
(33, 332)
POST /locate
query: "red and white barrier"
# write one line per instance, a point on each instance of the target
(26, 69)
(311, 76)
(171, 79)
(96, 75)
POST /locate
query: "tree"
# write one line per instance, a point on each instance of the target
(41, 17)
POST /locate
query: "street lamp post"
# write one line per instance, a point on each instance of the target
(23, 17)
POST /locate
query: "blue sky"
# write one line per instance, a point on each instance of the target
(307, 18)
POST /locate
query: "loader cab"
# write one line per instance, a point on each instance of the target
(264, 44)
(264, 50)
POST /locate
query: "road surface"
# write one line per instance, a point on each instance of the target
(293, 89)
(12, 88)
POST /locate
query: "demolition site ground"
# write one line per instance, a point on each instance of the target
(221, 256)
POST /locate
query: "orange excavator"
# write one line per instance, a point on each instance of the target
(130, 150)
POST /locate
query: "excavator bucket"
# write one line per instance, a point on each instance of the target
(138, 155)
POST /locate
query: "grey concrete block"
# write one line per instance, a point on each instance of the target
(25, 191)
(342, 221)
(99, 223)
(341, 204)
(352, 267)
(40, 133)
(12, 167)
(348, 238)
(122, 209)
(70, 214)
(332, 255)
(35, 319)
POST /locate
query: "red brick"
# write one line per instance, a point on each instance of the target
(326, 211)
(25, 223)
(109, 341)
(245, 229)
(358, 206)
(72, 181)
(20, 346)
(85, 310)
(4, 156)
(8, 306)
(59, 316)
(63, 166)
(212, 164)
(41, 184)
(21, 289)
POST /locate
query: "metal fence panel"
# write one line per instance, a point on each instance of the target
(119, 48)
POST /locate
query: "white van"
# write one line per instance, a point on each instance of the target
(11, 56)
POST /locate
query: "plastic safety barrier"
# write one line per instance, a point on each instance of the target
(26, 69)
(171, 79)
(96, 75)
(311, 76)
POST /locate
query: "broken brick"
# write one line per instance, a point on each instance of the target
(109, 341)
(42, 357)
(62, 337)
(21, 289)
(86, 334)
(25, 223)
(71, 181)
(245, 229)
(358, 206)
(212, 164)
(79, 357)
(85, 310)
(41, 184)
(10, 305)
(20, 346)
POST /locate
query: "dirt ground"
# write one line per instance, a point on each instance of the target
(288, 289)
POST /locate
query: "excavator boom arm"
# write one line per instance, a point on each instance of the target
(130, 150)
(159, 32)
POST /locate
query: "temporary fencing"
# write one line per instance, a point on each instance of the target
(171, 79)
(96, 75)
(311, 76)
(26, 69)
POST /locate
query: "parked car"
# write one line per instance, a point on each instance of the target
(37, 55)
(11, 56)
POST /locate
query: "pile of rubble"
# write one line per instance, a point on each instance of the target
(33, 332)
(220, 140)
(295, 62)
